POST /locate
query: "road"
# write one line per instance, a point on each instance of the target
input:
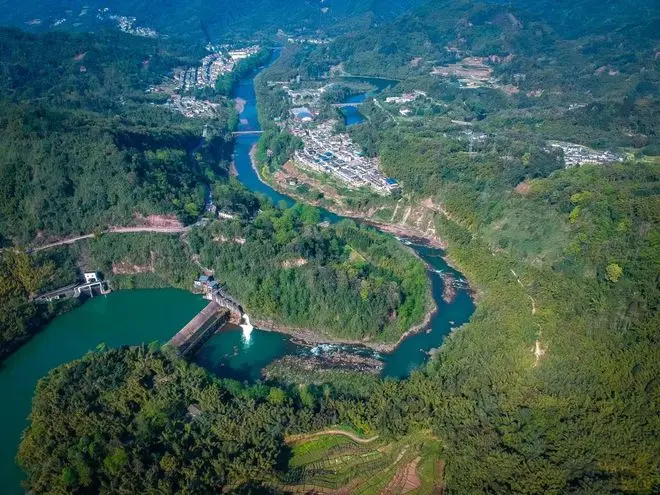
(355, 438)
(114, 230)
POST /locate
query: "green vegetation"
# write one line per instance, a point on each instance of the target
(139, 419)
(201, 21)
(155, 423)
(334, 461)
(284, 267)
(565, 260)
(226, 82)
(83, 146)
(275, 148)
(20, 277)
(553, 385)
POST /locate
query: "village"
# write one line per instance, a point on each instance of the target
(184, 81)
(212, 67)
(336, 154)
(327, 151)
(576, 154)
(125, 23)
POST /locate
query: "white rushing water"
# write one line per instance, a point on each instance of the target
(247, 329)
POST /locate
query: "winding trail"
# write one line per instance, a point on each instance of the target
(352, 436)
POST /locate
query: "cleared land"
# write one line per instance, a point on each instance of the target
(340, 462)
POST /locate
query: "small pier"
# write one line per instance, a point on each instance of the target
(200, 328)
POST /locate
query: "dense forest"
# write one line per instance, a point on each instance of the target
(85, 147)
(285, 267)
(155, 423)
(553, 381)
(21, 277)
(552, 387)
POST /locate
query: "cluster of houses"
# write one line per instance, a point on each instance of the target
(474, 72)
(405, 97)
(192, 107)
(336, 154)
(184, 81)
(306, 96)
(126, 24)
(206, 284)
(213, 66)
(576, 154)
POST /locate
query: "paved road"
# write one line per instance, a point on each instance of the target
(116, 230)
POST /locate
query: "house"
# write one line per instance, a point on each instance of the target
(206, 284)
(202, 282)
(91, 277)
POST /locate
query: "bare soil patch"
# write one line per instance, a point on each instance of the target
(523, 188)
(126, 268)
(405, 480)
(163, 221)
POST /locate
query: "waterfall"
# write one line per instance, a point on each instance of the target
(247, 328)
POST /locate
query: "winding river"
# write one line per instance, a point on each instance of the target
(133, 317)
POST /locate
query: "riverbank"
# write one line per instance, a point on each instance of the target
(414, 233)
(309, 337)
(339, 361)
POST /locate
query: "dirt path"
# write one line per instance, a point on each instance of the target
(114, 230)
(537, 349)
(352, 436)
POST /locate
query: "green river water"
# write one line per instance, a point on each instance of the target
(142, 316)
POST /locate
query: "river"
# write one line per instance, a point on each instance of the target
(133, 317)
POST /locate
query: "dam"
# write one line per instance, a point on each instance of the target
(197, 331)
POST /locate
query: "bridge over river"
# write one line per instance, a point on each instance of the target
(246, 133)
(219, 311)
(343, 105)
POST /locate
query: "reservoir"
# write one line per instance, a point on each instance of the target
(143, 316)
(121, 318)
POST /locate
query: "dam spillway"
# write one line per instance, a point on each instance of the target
(200, 328)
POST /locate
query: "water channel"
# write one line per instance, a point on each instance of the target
(134, 317)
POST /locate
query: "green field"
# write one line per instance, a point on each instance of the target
(324, 463)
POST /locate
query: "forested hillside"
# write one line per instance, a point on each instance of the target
(84, 147)
(591, 83)
(157, 424)
(204, 20)
(344, 281)
(552, 384)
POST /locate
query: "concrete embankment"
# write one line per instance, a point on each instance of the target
(200, 328)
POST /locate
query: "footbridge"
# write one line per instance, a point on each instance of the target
(246, 133)
(220, 310)
(343, 105)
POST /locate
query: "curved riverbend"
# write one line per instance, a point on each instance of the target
(134, 317)
(228, 357)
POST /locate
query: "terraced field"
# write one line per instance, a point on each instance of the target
(336, 462)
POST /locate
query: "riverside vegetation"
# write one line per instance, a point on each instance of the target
(560, 357)
(551, 388)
